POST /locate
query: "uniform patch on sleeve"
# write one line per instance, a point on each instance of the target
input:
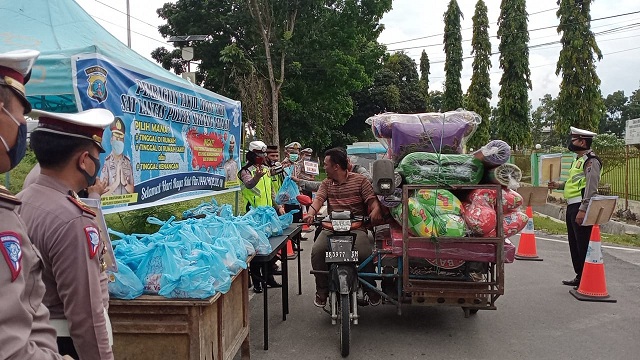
(93, 239)
(11, 247)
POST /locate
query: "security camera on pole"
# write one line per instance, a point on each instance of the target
(185, 43)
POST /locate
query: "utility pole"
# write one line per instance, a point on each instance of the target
(128, 26)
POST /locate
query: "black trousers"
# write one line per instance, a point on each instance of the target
(578, 239)
(65, 347)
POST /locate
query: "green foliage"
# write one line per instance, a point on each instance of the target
(613, 120)
(453, 52)
(608, 142)
(544, 117)
(424, 77)
(632, 110)
(436, 98)
(580, 102)
(20, 172)
(513, 105)
(479, 93)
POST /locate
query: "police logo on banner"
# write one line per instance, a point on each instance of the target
(97, 78)
(12, 251)
(93, 239)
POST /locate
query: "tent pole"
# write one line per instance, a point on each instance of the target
(128, 26)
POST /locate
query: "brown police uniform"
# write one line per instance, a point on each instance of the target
(66, 233)
(25, 332)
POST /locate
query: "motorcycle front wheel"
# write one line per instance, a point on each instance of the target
(345, 326)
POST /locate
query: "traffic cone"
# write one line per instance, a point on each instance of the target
(290, 253)
(527, 244)
(593, 285)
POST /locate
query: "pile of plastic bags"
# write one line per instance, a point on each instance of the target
(195, 257)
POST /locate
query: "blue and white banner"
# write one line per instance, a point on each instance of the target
(168, 142)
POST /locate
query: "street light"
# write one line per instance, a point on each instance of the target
(185, 42)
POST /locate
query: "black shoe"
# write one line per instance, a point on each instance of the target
(574, 282)
(276, 272)
(257, 289)
(273, 284)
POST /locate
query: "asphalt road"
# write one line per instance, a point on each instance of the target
(536, 318)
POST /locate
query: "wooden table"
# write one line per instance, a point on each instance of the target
(153, 327)
(279, 243)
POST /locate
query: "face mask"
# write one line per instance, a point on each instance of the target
(117, 146)
(293, 157)
(16, 153)
(575, 148)
(259, 160)
(91, 179)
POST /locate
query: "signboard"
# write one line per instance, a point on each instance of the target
(169, 142)
(311, 167)
(632, 132)
(550, 166)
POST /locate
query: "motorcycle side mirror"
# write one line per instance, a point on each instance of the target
(304, 200)
(383, 177)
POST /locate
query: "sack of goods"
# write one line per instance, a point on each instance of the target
(433, 213)
(440, 169)
(481, 217)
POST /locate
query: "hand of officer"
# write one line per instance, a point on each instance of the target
(260, 172)
(580, 217)
(553, 185)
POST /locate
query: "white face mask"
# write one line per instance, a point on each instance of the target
(117, 146)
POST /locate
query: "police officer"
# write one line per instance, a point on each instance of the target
(275, 168)
(25, 332)
(580, 187)
(117, 170)
(68, 147)
(257, 191)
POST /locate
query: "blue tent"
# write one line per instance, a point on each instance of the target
(60, 29)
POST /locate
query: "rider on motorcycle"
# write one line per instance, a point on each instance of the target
(343, 190)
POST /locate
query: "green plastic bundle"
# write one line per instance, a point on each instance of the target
(435, 169)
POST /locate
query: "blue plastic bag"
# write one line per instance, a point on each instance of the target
(220, 276)
(161, 259)
(288, 192)
(190, 282)
(125, 284)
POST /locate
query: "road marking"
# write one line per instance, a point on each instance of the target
(604, 246)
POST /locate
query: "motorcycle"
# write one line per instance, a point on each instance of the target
(342, 259)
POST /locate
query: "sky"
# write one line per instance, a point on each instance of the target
(421, 22)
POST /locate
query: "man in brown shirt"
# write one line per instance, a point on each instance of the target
(25, 332)
(68, 147)
(343, 190)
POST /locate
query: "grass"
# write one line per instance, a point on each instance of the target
(555, 227)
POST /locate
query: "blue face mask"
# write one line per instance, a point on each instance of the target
(16, 153)
(117, 146)
(293, 157)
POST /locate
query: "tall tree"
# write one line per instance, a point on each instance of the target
(479, 93)
(632, 110)
(436, 100)
(543, 119)
(614, 119)
(580, 102)
(424, 77)
(453, 62)
(513, 104)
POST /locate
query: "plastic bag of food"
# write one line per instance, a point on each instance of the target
(433, 169)
(161, 258)
(190, 282)
(288, 192)
(124, 284)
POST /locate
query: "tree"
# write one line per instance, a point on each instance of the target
(436, 99)
(580, 102)
(513, 104)
(479, 93)
(632, 110)
(453, 52)
(543, 119)
(424, 77)
(613, 120)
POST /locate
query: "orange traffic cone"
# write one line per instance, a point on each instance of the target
(593, 285)
(290, 253)
(527, 244)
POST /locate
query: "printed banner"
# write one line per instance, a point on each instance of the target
(168, 141)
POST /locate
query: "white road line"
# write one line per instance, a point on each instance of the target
(604, 246)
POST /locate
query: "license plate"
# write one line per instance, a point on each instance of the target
(341, 256)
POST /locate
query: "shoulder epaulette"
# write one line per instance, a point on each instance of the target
(7, 196)
(73, 197)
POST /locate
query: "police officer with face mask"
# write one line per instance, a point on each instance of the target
(25, 332)
(580, 187)
(117, 170)
(64, 229)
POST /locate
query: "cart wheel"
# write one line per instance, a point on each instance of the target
(345, 326)
(468, 312)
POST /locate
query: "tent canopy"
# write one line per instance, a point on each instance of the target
(60, 29)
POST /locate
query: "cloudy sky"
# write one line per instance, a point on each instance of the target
(414, 25)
